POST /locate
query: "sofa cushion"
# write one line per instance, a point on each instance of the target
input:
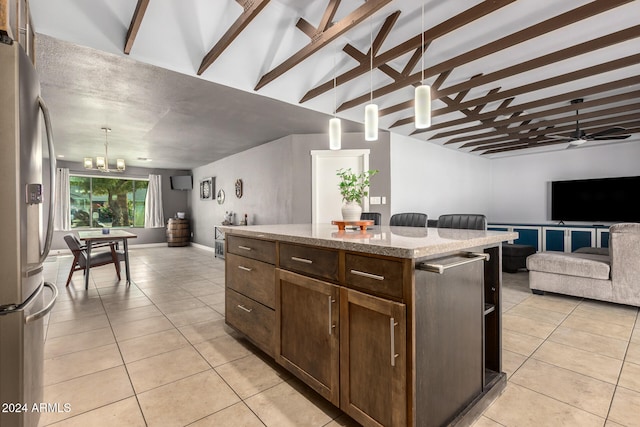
(596, 251)
(571, 264)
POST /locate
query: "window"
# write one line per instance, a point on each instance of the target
(107, 202)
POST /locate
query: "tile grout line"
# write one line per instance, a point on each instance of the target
(622, 366)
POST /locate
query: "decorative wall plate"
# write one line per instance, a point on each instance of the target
(220, 196)
(238, 188)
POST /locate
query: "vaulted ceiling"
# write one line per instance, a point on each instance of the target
(508, 77)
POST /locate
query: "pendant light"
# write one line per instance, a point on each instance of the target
(335, 131)
(371, 110)
(422, 99)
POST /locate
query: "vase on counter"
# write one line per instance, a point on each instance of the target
(351, 211)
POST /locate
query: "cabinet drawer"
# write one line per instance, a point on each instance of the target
(252, 278)
(252, 319)
(374, 275)
(310, 260)
(262, 250)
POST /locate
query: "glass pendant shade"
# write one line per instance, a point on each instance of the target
(335, 134)
(371, 122)
(88, 163)
(423, 107)
(120, 164)
(100, 163)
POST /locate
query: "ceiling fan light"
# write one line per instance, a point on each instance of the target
(100, 163)
(335, 134)
(88, 163)
(371, 122)
(422, 102)
(120, 165)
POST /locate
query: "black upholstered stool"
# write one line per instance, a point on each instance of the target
(515, 256)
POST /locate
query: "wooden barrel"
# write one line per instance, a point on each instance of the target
(178, 232)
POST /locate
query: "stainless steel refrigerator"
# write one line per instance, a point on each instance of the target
(26, 227)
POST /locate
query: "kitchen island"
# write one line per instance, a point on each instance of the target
(394, 325)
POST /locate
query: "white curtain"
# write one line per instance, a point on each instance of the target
(153, 215)
(62, 214)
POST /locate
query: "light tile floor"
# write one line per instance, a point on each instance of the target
(157, 353)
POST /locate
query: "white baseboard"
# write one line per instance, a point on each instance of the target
(57, 252)
(203, 247)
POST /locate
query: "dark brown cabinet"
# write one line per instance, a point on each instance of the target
(373, 358)
(391, 341)
(250, 290)
(307, 333)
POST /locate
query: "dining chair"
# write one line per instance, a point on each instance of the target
(463, 221)
(98, 258)
(409, 219)
(375, 216)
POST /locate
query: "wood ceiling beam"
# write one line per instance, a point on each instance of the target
(382, 34)
(553, 81)
(329, 13)
(534, 145)
(549, 59)
(472, 14)
(251, 9)
(134, 26)
(531, 32)
(389, 70)
(538, 132)
(531, 87)
(560, 120)
(323, 39)
(550, 112)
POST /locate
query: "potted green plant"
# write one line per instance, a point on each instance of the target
(353, 187)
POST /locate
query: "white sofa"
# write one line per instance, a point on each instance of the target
(614, 277)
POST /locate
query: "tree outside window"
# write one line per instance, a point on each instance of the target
(107, 202)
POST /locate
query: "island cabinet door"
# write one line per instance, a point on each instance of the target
(373, 359)
(307, 332)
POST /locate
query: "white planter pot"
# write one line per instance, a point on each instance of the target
(351, 211)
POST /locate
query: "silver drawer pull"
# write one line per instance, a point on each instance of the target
(246, 248)
(241, 267)
(367, 275)
(242, 307)
(440, 268)
(392, 327)
(306, 261)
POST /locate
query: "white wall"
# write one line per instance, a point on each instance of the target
(431, 179)
(521, 184)
(277, 182)
(266, 174)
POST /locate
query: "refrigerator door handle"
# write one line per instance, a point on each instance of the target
(40, 314)
(52, 179)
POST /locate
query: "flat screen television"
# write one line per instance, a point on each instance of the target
(184, 182)
(605, 199)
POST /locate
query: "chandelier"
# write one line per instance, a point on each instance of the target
(102, 163)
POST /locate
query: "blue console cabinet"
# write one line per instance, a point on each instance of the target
(561, 238)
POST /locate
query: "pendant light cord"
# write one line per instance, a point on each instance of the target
(422, 56)
(335, 97)
(371, 60)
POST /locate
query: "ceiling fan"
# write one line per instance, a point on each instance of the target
(579, 137)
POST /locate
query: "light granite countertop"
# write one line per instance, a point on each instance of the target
(401, 242)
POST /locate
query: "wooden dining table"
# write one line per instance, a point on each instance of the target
(93, 236)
